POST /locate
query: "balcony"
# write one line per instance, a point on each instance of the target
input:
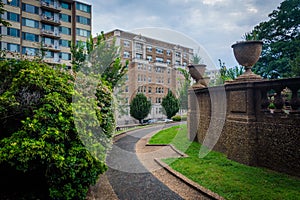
(50, 34)
(52, 47)
(52, 60)
(140, 60)
(50, 20)
(160, 64)
(51, 7)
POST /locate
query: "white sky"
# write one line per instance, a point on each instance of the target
(214, 25)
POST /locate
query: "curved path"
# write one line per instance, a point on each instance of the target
(127, 175)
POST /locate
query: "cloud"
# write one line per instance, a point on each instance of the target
(215, 24)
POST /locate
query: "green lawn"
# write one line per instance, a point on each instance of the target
(229, 179)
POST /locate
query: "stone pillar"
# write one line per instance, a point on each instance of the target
(193, 115)
(240, 126)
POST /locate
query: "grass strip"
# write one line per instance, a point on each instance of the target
(225, 177)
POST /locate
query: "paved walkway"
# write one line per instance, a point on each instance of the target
(133, 174)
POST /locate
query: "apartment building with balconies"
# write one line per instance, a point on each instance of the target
(152, 70)
(51, 25)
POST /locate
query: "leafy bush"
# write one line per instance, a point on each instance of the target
(176, 118)
(38, 136)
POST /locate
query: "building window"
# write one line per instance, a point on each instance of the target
(126, 89)
(48, 41)
(140, 66)
(29, 51)
(149, 79)
(49, 54)
(65, 5)
(178, 54)
(139, 56)
(48, 14)
(149, 90)
(139, 46)
(13, 47)
(13, 32)
(149, 48)
(83, 32)
(149, 58)
(14, 3)
(65, 30)
(30, 8)
(30, 37)
(159, 60)
(159, 51)
(30, 23)
(13, 17)
(83, 20)
(168, 52)
(65, 17)
(168, 61)
(65, 43)
(126, 54)
(65, 56)
(126, 43)
(83, 7)
(48, 27)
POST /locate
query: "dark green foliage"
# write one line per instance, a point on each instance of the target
(38, 136)
(140, 107)
(281, 38)
(170, 104)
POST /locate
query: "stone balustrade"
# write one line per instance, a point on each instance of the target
(238, 117)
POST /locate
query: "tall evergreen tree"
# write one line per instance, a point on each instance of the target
(170, 104)
(140, 107)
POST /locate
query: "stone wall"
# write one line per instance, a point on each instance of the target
(236, 117)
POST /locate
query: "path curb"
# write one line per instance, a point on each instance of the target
(189, 182)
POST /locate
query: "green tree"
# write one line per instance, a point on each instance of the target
(170, 104)
(183, 91)
(78, 56)
(281, 38)
(227, 74)
(140, 107)
(104, 57)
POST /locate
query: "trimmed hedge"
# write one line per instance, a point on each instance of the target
(38, 136)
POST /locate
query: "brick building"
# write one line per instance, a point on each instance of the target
(152, 70)
(49, 24)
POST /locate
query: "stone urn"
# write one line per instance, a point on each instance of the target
(197, 73)
(247, 54)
